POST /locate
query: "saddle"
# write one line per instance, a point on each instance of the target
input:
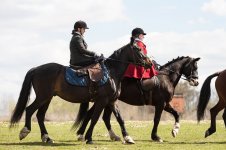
(91, 76)
(94, 71)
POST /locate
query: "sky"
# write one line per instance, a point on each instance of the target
(33, 33)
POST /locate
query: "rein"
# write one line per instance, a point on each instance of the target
(170, 70)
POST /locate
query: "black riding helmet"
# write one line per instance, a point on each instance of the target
(138, 31)
(80, 24)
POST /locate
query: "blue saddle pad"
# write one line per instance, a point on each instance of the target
(78, 80)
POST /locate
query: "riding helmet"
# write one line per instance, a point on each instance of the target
(80, 24)
(138, 31)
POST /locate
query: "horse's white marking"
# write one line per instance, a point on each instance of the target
(176, 128)
(128, 140)
(81, 137)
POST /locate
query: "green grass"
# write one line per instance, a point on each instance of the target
(191, 136)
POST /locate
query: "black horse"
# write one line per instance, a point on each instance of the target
(169, 76)
(48, 80)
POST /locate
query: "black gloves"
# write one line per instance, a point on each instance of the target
(99, 58)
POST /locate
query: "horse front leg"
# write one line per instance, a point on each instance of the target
(168, 108)
(99, 106)
(127, 138)
(84, 124)
(106, 118)
(157, 117)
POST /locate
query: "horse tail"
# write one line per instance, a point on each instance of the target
(204, 97)
(83, 109)
(23, 98)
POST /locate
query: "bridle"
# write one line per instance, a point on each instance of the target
(184, 77)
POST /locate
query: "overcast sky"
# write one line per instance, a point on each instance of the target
(38, 32)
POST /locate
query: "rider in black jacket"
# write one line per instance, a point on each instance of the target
(80, 56)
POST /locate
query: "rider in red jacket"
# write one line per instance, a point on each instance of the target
(134, 71)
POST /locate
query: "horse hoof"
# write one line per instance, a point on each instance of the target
(128, 140)
(23, 133)
(116, 138)
(174, 133)
(81, 138)
(207, 134)
(89, 142)
(157, 139)
(175, 130)
(113, 136)
(46, 139)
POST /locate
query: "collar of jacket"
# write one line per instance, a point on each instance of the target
(78, 33)
(137, 39)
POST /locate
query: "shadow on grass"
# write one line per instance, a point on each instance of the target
(223, 142)
(38, 144)
(180, 143)
(57, 143)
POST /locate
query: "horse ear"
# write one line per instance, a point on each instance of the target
(196, 59)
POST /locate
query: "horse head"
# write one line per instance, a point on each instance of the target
(190, 71)
(182, 66)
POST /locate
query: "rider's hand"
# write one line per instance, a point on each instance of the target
(99, 58)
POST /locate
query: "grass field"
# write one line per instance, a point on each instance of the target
(191, 136)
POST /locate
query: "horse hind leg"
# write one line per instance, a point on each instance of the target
(213, 113)
(41, 118)
(224, 117)
(29, 112)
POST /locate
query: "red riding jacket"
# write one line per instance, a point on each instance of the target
(138, 71)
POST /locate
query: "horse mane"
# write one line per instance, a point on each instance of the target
(172, 61)
(118, 51)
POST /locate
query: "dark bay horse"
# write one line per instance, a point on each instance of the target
(169, 76)
(205, 93)
(48, 80)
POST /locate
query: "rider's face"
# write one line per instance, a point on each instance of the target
(141, 37)
(82, 30)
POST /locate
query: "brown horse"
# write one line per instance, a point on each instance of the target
(168, 77)
(220, 85)
(48, 80)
